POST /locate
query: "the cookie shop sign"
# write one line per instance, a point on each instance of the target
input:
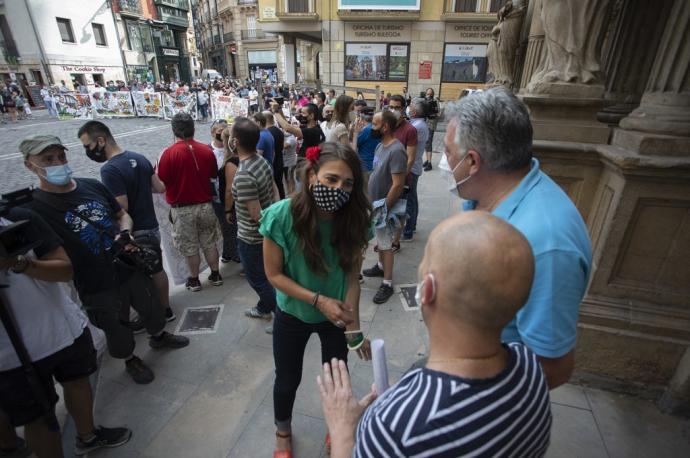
(85, 69)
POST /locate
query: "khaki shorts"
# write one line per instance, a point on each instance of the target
(194, 227)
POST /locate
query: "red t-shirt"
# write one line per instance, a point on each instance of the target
(406, 134)
(186, 168)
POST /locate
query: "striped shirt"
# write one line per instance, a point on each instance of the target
(253, 181)
(430, 413)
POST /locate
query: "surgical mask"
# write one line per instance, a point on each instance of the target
(397, 112)
(328, 116)
(219, 137)
(96, 154)
(407, 112)
(301, 119)
(58, 175)
(449, 175)
(352, 116)
(329, 199)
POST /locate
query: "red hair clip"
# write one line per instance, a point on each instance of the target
(313, 154)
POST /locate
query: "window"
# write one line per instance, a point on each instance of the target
(376, 62)
(464, 63)
(297, 6)
(99, 34)
(251, 22)
(7, 42)
(134, 36)
(467, 6)
(65, 26)
(496, 5)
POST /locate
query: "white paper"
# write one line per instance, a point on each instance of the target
(378, 360)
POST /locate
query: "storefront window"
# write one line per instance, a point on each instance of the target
(376, 62)
(464, 63)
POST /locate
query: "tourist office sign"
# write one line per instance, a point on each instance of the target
(378, 5)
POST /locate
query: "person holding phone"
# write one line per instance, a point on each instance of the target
(313, 249)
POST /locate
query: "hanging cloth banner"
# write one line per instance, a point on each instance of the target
(228, 107)
(147, 104)
(73, 106)
(183, 103)
(112, 104)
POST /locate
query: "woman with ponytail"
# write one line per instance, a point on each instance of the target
(313, 248)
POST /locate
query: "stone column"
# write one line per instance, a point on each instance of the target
(628, 54)
(661, 124)
(566, 91)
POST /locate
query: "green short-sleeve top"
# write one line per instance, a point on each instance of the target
(277, 225)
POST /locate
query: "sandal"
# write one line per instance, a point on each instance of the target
(282, 453)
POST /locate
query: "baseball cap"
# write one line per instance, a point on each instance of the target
(38, 143)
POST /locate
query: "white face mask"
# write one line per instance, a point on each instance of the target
(407, 112)
(449, 175)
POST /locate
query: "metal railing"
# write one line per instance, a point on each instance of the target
(179, 4)
(253, 34)
(130, 6)
(246, 2)
(298, 6)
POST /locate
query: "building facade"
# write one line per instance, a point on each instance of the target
(155, 39)
(391, 44)
(232, 40)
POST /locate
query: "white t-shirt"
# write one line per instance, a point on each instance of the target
(253, 95)
(219, 153)
(326, 128)
(290, 151)
(46, 318)
(202, 97)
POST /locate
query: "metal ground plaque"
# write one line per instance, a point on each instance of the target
(200, 320)
(407, 293)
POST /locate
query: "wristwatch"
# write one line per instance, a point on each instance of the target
(21, 263)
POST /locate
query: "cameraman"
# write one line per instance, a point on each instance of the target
(85, 215)
(53, 330)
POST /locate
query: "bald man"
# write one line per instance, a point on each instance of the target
(476, 395)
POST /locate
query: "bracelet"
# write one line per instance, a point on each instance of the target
(358, 342)
(356, 331)
(228, 212)
(316, 299)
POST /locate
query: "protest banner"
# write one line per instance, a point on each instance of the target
(228, 107)
(147, 104)
(73, 106)
(185, 103)
(112, 104)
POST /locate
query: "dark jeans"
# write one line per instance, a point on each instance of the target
(278, 178)
(290, 337)
(252, 257)
(227, 230)
(203, 111)
(412, 208)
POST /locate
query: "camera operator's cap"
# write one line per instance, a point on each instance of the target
(38, 143)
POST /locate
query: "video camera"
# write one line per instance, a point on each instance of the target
(13, 240)
(141, 257)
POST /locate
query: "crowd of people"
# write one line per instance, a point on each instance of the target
(297, 199)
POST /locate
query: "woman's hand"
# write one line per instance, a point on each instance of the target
(364, 352)
(337, 312)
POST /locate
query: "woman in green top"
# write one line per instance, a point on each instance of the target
(313, 249)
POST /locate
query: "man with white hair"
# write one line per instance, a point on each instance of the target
(488, 162)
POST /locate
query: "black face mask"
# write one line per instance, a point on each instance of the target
(219, 137)
(301, 119)
(376, 133)
(96, 154)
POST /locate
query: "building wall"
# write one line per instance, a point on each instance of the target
(83, 56)
(25, 41)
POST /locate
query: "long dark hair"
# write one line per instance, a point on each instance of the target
(350, 224)
(342, 109)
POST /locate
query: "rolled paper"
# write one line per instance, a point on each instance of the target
(378, 359)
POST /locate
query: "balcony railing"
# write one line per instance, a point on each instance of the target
(253, 34)
(179, 4)
(298, 6)
(130, 6)
(228, 37)
(174, 20)
(478, 10)
(246, 2)
(296, 10)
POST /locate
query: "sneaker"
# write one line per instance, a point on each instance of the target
(383, 294)
(193, 284)
(169, 315)
(167, 340)
(215, 278)
(139, 372)
(269, 329)
(136, 325)
(361, 277)
(103, 438)
(427, 167)
(224, 260)
(407, 237)
(19, 451)
(254, 312)
(375, 271)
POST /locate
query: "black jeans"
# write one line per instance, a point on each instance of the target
(290, 337)
(252, 257)
(228, 231)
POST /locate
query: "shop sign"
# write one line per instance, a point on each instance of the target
(85, 69)
(425, 70)
(380, 32)
(478, 32)
(171, 52)
(379, 5)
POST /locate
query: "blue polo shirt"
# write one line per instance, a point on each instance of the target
(366, 147)
(267, 145)
(549, 220)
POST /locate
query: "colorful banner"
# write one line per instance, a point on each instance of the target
(112, 104)
(228, 107)
(73, 106)
(148, 104)
(183, 103)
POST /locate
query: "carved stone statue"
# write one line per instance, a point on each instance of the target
(573, 31)
(505, 39)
